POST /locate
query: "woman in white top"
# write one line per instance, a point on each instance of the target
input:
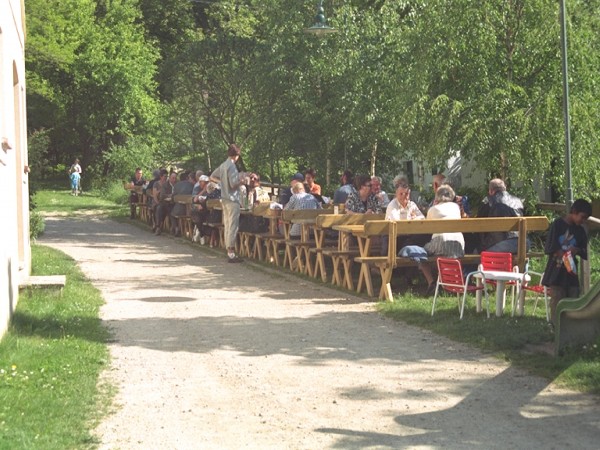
(451, 245)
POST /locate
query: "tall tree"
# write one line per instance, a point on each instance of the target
(103, 91)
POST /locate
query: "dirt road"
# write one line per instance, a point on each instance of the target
(210, 355)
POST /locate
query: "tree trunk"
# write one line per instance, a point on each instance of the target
(373, 157)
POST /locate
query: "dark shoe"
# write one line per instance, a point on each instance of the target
(235, 259)
(157, 231)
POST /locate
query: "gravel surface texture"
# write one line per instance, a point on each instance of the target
(210, 355)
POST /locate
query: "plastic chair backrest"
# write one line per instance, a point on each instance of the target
(499, 261)
(451, 275)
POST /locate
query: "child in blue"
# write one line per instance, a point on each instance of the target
(75, 180)
(566, 234)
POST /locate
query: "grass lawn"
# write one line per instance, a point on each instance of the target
(50, 361)
(60, 201)
(520, 340)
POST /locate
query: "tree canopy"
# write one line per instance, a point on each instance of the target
(151, 82)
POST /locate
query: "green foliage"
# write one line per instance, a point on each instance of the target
(398, 81)
(113, 191)
(50, 362)
(124, 159)
(38, 144)
(91, 74)
(36, 224)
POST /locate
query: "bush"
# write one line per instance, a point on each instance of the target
(36, 225)
(113, 191)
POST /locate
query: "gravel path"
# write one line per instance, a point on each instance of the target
(210, 355)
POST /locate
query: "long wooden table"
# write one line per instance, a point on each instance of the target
(365, 233)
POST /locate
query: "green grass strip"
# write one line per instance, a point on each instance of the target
(50, 362)
(53, 201)
(522, 341)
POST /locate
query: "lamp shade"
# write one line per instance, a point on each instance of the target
(320, 26)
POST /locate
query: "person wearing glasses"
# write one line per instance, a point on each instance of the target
(254, 192)
(378, 192)
(362, 201)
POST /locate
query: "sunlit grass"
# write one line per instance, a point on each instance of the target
(52, 201)
(523, 341)
(50, 361)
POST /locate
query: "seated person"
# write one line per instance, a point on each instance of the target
(461, 200)
(155, 188)
(254, 191)
(300, 200)
(499, 203)
(377, 192)
(309, 180)
(286, 194)
(199, 211)
(451, 245)
(253, 194)
(164, 199)
(184, 186)
(197, 184)
(215, 216)
(402, 208)
(362, 201)
(346, 188)
(415, 195)
(136, 180)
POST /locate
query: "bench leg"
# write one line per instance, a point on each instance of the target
(386, 278)
(347, 262)
(257, 251)
(320, 267)
(288, 257)
(364, 278)
(335, 278)
(275, 252)
(308, 269)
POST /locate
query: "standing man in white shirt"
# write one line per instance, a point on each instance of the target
(231, 180)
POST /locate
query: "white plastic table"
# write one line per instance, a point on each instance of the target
(501, 277)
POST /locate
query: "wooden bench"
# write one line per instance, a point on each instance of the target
(430, 226)
(215, 203)
(339, 250)
(298, 249)
(185, 221)
(139, 205)
(261, 247)
(44, 281)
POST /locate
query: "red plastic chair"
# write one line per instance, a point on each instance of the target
(451, 279)
(502, 262)
(537, 288)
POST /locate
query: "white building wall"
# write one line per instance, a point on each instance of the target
(15, 251)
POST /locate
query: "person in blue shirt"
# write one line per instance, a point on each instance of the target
(347, 188)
